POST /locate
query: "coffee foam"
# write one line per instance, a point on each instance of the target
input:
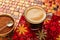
(35, 14)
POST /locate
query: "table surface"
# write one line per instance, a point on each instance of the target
(16, 8)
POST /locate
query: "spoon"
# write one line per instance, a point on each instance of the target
(9, 24)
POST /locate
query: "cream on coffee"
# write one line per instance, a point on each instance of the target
(35, 14)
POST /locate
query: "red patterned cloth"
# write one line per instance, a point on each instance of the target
(23, 32)
(53, 27)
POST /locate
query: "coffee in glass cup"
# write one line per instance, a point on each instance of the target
(35, 14)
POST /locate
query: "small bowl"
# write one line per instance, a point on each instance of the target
(4, 34)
